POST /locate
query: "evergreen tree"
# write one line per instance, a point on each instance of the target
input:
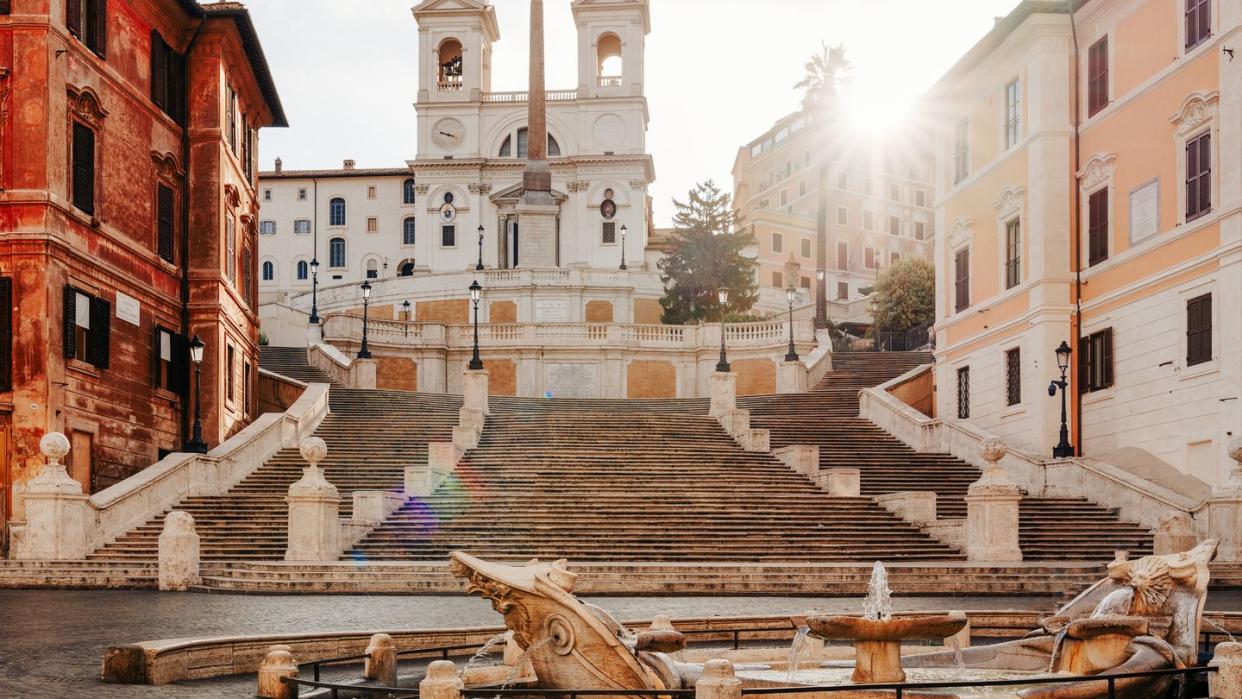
(706, 255)
(905, 296)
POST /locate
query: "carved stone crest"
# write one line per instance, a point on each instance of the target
(1098, 170)
(1011, 200)
(961, 232)
(1197, 108)
(86, 105)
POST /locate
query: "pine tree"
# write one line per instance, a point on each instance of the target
(706, 255)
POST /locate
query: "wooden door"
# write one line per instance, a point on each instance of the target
(80, 452)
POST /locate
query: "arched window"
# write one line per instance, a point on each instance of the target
(406, 269)
(372, 269)
(336, 212)
(450, 69)
(506, 146)
(608, 65)
(303, 270)
(407, 230)
(269, 271)
(407, 191)
(336, 252)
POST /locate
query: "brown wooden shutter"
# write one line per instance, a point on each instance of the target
(159, 71)
(4, 7)
(70, 321)
(100, 46)
(164, 222)
(962, 279)
(1097, 227)
(155, 356)
(73, 17)
(179, 366)
(176, 86)
(1106, 358)
(1205, 173)
(1084, 365)
(83, 168)
(6, 325)
(101, 330)
(1199, 330)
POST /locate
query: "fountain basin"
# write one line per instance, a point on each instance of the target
(932, 627)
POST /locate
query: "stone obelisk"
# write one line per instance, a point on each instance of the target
(538, 210)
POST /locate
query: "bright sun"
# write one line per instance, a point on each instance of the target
(877, 112)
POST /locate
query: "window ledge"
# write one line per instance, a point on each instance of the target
(1014, 410)
(1186, 373)
(1099, 396)
(82, 367)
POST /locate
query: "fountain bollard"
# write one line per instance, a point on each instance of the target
(58, 519)
(314, 525)
(1226, 682)
(276, 664)
(178, 552)
(441, 682)
(992, 503)
(381, 662)
(717, 682)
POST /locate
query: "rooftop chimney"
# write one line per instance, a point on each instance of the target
(349, 164)
(279, 164)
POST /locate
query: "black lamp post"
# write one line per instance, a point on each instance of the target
(722, 295)
(479, 266)
(363, 352)
(624, 230)
(790, 294)
(405, 309)
(314, 290)
(196, 445)
(476, 362)
(1063, 449)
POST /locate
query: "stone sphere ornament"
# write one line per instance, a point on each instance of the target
(313, 450)
(54, 446)
(1235, 449)
(993, 449)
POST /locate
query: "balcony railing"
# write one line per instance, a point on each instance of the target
(523, 96)
(452, 83)
(608, 81)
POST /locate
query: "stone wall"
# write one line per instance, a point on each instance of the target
(918, 392)
(448, 312)
(599, 311)
(502, 312)
(396, 373)
(650, 379)
(755, 376)
(648, 311)
(501, 377)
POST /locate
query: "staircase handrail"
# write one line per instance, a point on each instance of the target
(135, 500)
(819, 361)
(1135, 497)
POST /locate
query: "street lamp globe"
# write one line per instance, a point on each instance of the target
(314, 265)
(624, 231)
(722, 295)
(791, 295)
(196, 350)
(405, 305)
(475, 291)
(366, 289)
(1063, 356)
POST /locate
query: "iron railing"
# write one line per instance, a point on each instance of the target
(898, 340)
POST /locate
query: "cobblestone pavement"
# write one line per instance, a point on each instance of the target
(51, 642)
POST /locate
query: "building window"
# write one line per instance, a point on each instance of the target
(843, 181)
(1095, 361)
(963, 393)
(165, 228)
(230, 369)
(961, 151)
(246, 370)
(231, 118)
(372, 269)
(336, 212)
(1199, 330)
(167, 78)
(448, 236)
(894, 192)
(370, 191)
(802, 188)
(1013, 253)
(1097, 76)
(1013, 376)
(301, 194)
(87, 328)
(869, 258)
(1012, 116)
(1198, 22)
(608, 233)
(961, 279)
(408, 229)
(1097, 227)
(920, 197)
(1199, 176)
(893, 258)
(6, 334)
(83, 167)
(230, 248)
(804, 283)
(843, 291)
(267, 195)
(806, 248)
(407, 191)
(267, 228)
(868, 220)
(88, 21)
(302, 226)
(372, 224)
(336, 253)
(303, 270)
(843, 216)
(269, 271)
(894, 225)
(843, 255)
(778, 280)
(920, 230)
(778, 242)
(784, 197)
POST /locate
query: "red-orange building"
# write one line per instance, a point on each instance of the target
(128, 143)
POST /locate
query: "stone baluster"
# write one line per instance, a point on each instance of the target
(178, 552)
(314, 504)
(441, 682)
(381, 662)
(992, 510)
(1224, 510)
(716, 682)
(276, 664)
(57, 512)
(1226, 682)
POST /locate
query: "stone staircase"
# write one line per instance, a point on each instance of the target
(291, 362)
(372, 437)
(1049, 528)
(628, 481)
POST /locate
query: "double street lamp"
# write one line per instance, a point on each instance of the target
(624, 230)
(476, 291)
(722, 295)
(196, 445)
(479, 266)
(1063, 449)
(791, 294)
(364, 352)
(314, 265)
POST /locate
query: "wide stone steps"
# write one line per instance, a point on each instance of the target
(291, 362)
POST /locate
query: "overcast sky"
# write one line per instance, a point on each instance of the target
(719, 72)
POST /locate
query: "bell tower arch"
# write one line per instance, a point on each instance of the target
(455, 40)
(612, 36)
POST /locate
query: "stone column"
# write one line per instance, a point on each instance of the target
(718, 681)
(441, 682)
(1226, 682)
(58, 517)
(1224, 510)
(276, 664)
(381, 662)
(474, 390)
(722, 387)
(178, 552)
(992, 510)
(314, 505)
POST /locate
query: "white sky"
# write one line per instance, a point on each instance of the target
(719, 72)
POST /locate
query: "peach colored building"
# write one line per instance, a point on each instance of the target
(1087, 170)
(879, 210)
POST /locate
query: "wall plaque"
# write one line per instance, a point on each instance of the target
(128, 309)
(572, 380)
(1145, 210)
(551, 311)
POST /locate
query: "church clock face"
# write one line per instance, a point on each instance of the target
(448, 134)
